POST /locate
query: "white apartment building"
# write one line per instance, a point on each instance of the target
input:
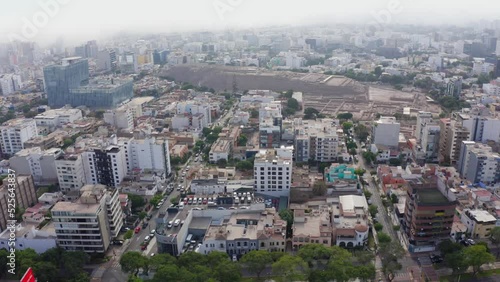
(316, 140)
(180, 122)
(293, 61)
(89, 223)
(481, 67)
(193, 108)
(9, 83)
(208, 186)
(482, 129)
(122, 117)
(350, 221)
(386, 132)
(70, 172)
(151, 154)
(273, 171)
(271, 111)
(58, 117)
(37, 162)
(478, 163)
(220, 150)
(423, 118)
(104, 165)
(15, 133)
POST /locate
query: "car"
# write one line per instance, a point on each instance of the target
(235, 258)
(244, 208)
(197, 209)
(187, 168)
(125, 229)
(221, 208)
(118, 242)
(233, 208)
(149, 216)
(143, 247)
(190, 201)
(182, 222)
(169, 225)
(468, 242)
(147, 238)
(197, 154)
(152, 233)
(205, 201)
(152, 254)
(137, 229)
(435, 258)
(145, 224)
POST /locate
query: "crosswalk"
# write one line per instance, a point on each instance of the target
(115, 264)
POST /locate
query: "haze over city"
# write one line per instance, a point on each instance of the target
(75, 21)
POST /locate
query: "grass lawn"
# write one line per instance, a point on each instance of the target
(469, 277)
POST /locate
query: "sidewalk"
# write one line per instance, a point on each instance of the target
(447, 271)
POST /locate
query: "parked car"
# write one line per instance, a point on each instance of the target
(436, 258)
(153, 232)
(118, 242)
(137, 229)
(145, 224)
(147, 238)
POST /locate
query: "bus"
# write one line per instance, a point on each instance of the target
(188, 238)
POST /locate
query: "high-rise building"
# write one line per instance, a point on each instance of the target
(15, 133)
(429, 213)
(70, 172)
(478, 163)
(104, 164)
(150, 154)
(316, 140)
(89, 223)
(273, 171)
(430, 141)
(454, 86)
(59, 79)
(37, 162)
(423, 118)
(386, 132)
(69, 83)
(483, 129)
(25, 197)
(452, 133)
(106, 60)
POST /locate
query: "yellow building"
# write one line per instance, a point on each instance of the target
(478, 222)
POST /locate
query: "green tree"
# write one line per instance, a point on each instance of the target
(190, 259)
(291, 268)
(360, 171)
(256, 261)
(369, 156)
(254, 113)
(378, 226)
(227, 271)
(483, 78)
(175, 200)
(344, 116)
(495, 238)
(132, 261)
(45, 271)
(365, 272)
(448, 247)
(456, 261)
(340, 267)
(142, 215)
(383, 238)
(373, 210)
(292, 103)
(160, 260)
(169, 272)
(128, 234)
(313, 252)
(319, 188)
(287, 215)
(347, 126)
(222, 163)
(389, 253)
(137, 201)
(155, 200)
(288, 93)
(394, 199)
(476, 256)
(310, 113)
(378, 71)
(242, 140)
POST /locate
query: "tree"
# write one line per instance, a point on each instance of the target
(242, 140)
(254, 113)
(447, 247)
(378, 226)
(287, 215)
(175, 200)
(369, 156)
(389, 253)
(344, 116)
(291, 268)
(495, 239)
(365, 272)
(383, 238)
(456, 261)
(313, 252)
(340, 266)
(288, 93)
(346, 126)
(160, 260)
(169, 272)
(378, 71)
(476, 256)
(256, 261)
(483, 78)
(190, 259)
(292, 103)
(227, 271)
(373, 210)
(319, 188)
(367, 193)
(155, 200)
(136, 200)
(310, 113)
(128, 234)
(360, 171)
(142, 215)
(394, 199)
(132, 261)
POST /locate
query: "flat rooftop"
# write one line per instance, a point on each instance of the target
(431, 197)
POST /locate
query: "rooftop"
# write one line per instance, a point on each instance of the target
(431, 197)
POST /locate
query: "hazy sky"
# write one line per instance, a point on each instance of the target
(80, 20)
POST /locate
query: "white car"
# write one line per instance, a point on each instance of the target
(152, 234)
(147, 238)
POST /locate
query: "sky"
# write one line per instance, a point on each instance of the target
(80, 20)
